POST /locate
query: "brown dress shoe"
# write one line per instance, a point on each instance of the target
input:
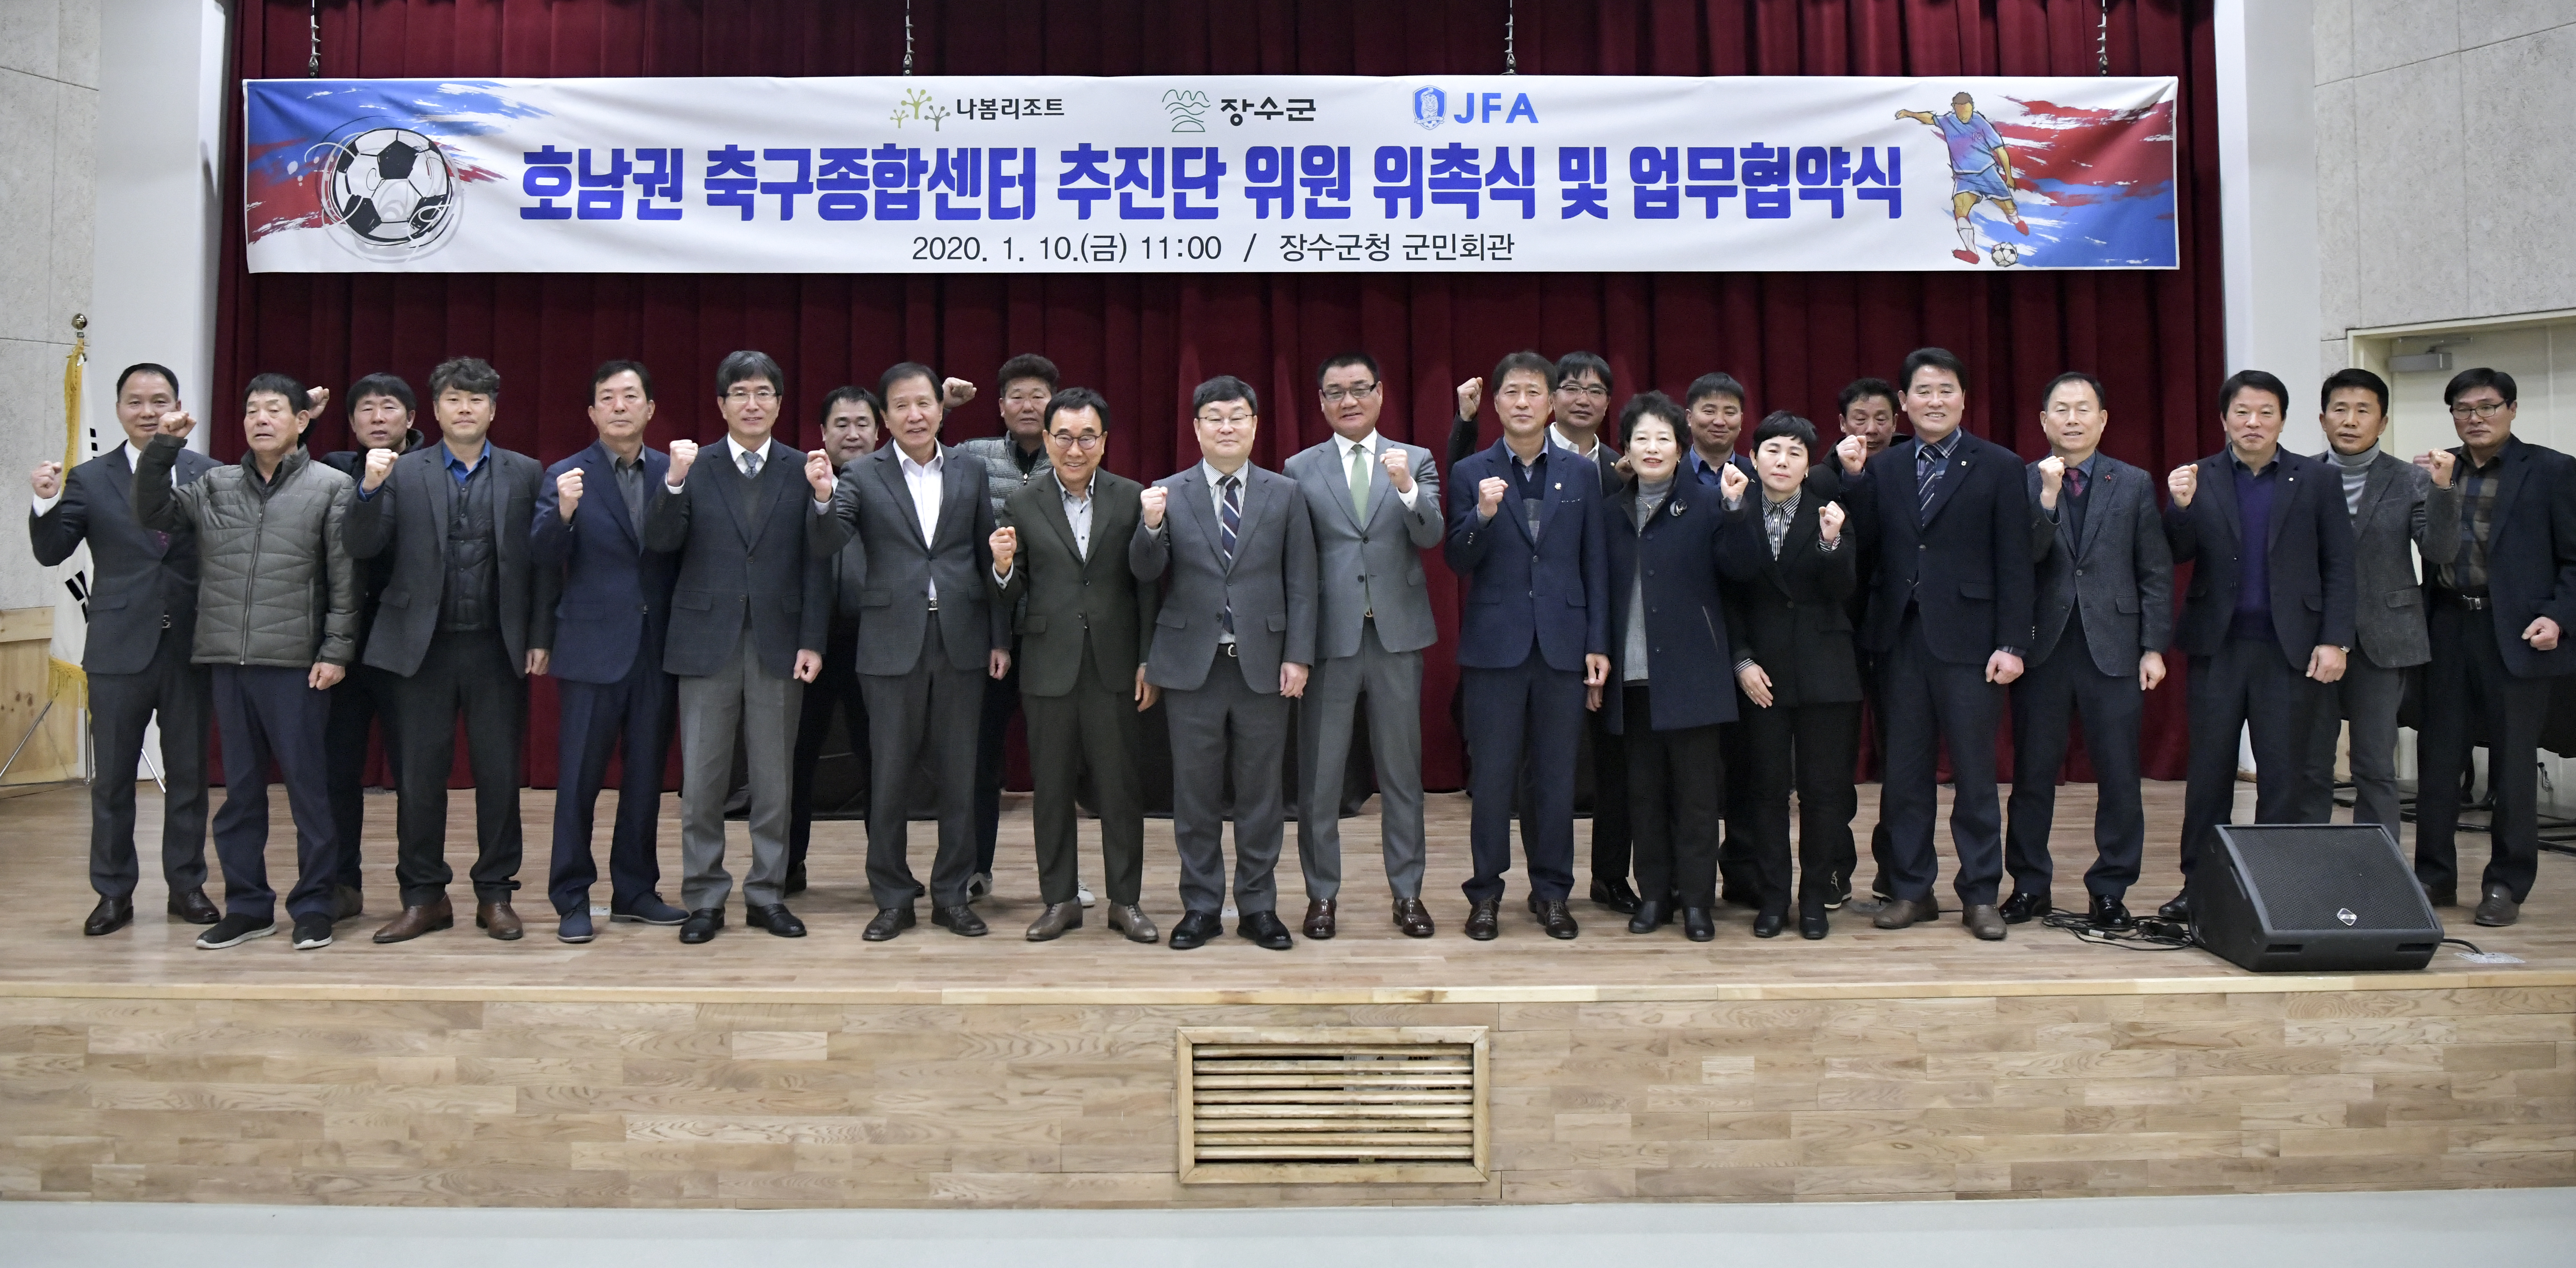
(415, 921)
(1131, 920)
(1900, 913)
(498, 920)
(1052, 923)
(1984, 920)
(193, 908)
(1319, 917)
(1412, 917)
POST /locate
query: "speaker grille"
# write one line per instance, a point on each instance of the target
(2309, 876)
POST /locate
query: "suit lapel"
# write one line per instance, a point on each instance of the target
(2218, 486)
(441, 487)
(1194, 492)
(889, 462)
(1051, 509)
(2285, 492)
(1254, 498)
(1952, 476)
(770, 486)
(2508, 483)
(2105, 478)
(953, 477)
(599, 471)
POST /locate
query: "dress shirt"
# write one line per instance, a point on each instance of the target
(1566, 442)
(629, 474)
(2467, 572)
(1077, 516)
(462, 470)
(923, 483)
(1704, 471)
(1342, 447)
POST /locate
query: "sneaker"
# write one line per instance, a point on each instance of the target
(1083, 892)
(232, 931)
(980, 885)
(312, 930)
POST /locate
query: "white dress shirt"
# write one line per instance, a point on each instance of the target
(1565, 441)
(1368, 444)
(133, 463)
(924, 483)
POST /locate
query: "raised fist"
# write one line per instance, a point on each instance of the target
(48, 479)
(1006, 544)
(2052, 477)
(2184, 482)
(1854, 453)
(818, 472)
(1152, 500)
(683, 453)
(1829, 521)
(2438, 464)
(1470, 395)
(177, 422)
(1731, 482)
(1399, 469)
(1489, 496)
(955, 392)
(568, 493)
(380, 463)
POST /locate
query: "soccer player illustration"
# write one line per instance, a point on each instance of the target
(1979, 168)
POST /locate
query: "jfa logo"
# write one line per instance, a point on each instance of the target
(1431, 106)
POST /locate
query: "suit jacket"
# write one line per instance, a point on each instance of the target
(2401, 513)
(1271, 585)
(1373, 566)
(872, 506)
(1075, 601)
(616, 595)
(136, 581)
(743, 558)
(1964, 560)
(1687, 658)
(372, 573)
(2309, 558)
(408, 515)
(1554, 592)
(2531, 555)
(1792, 615)
(2116, 585)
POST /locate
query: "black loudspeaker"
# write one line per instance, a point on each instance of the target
(2312, 898)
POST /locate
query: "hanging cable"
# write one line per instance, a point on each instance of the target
(907, 38)
(2102, 41)
(313, 29)
(1511, 54)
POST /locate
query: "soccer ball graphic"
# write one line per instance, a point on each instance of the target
(2005, 255)
(390, 188)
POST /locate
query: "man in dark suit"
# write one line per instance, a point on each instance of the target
(1949, 620)
(1527, 532)
(142, 616)
(2398, 508)
(2264, 627)
(1234, 549)
(747, 621)
(1715, 406)
(2501, 609)
(930, 638)
(2104, 615)
(607, 655)
(1083, 617)
(466, 616)
(381, 410)
(851, 424)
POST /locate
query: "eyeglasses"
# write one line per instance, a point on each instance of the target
(2485, 409)
(763, 394)
(1335, 395)
(1593, 390)
(1086, 441)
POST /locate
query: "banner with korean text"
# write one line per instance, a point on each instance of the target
(1209, 174)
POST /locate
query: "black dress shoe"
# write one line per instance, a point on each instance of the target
(961, 921)
(1767, 922)
(795, 883)
(1650, 917)
(2108, 913)
(193, 908)
(1265, 930)
(2497, 908)
(889, 922)
(701, 925)
(1413, 918)
(1485, 919)
(1615, 895)
(1555, 917)
(1699, 924)
(1194, 929)
(110, 915)
(774, 918)
(2177, 909)
(1812, 925)
(2441, 897)
(2021, 908)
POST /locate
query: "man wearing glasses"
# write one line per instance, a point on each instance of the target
(1374, 503)
(1014, 460)
(1084, 618)
(2500, 610)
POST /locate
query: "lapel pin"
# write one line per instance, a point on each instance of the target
(1675, 511)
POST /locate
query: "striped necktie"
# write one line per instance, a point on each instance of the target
(1229, 523)
(1927, 476)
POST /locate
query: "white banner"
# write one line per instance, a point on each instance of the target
(1208, 174)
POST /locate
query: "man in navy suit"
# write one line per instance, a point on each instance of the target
(2264, 627)
(1949, 617)
(1526, 531)
(609, 629)
(142, 614)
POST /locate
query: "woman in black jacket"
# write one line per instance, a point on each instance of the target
(1791, 625)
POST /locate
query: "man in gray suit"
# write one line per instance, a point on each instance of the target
(2394, 505)
(929, 638)
(2103, 614)
(1232, 645)
(1374, 503)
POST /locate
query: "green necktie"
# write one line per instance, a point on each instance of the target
(1359, 482)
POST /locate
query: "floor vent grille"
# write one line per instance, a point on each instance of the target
(1336, 1105)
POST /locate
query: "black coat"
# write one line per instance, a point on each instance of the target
(1688, 665)
(1792, 615)
(407, 518)
(2309, 560)
(2531, 554)
(1965, 559)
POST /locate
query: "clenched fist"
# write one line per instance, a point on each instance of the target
(1731, 482)
(1489, 497)
(567, 493)
(1399, 469)
(2052, 477)
(683, 453)
(1151, 501)
(320, 397)
(1005, 543)
(2184, 482)
(177, 422)
(2542, 634)
(1471, 394)
(818, 472)
(48, 479)
(1854, 453)
(380, 463)
(955, 392)
(2438, 464)
(1829, 522)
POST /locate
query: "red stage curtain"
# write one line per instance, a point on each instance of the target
(2156, 338)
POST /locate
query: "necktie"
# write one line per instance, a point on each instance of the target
(2075, 482)
(1359, 481)
(751, 463)
(1229, 523)
(1927, 473)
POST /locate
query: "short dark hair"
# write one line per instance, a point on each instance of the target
(906, 371)
(1027, 365)
(1714, 383)
(2074, 376)
(2253, 380)
(612, 368)
(1076, 398)
(1933, 358)
(2353, 377)
(1575, 363)
(1862, 387)
(1781, 422)
(465, 374)
(1224, 387)
(1340, 359)
(2481, 376)
(148, 367)
(297, 399)
(850, 392)
(382, 384)
(1528, 362)
(1651, 404)
(745, 365)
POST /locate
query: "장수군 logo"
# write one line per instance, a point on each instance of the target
(1430, 106)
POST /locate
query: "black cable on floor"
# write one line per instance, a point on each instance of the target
(2148, 934)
